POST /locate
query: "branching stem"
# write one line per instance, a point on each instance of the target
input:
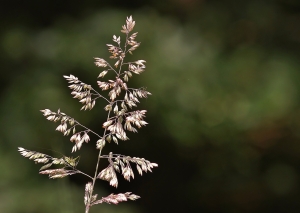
(88, 129)
(115, 127)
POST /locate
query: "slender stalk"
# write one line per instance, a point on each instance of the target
(84, 173)
(96, 171)
(87, 129)
(93, 184)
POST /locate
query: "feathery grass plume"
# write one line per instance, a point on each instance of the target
(121, 117)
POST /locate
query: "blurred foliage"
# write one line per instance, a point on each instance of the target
(224, 115)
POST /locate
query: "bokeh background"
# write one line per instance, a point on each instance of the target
(224, 117)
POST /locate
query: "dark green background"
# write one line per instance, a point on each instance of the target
(224, 117)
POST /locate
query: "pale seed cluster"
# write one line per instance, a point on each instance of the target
(78, 138)
(58, 173)
(38, 157)
(110, 199)
(84, 92)
(118, 163)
